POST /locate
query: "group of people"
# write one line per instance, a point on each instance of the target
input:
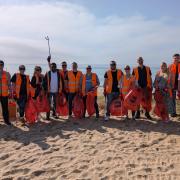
(72, 82)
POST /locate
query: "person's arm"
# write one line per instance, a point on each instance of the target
(80, 83)
(105, 83)
(49, 61)
(45, 86)
(97, 80)
(33, 82)
(179, 82)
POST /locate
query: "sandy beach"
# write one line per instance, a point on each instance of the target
(91, 149)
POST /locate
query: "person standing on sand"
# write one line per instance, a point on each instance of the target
(21, 86)
(163, 82)
(143, 74)
(37, 82)
(53, 85)
(4, 92)
(111, 88)
(73, 84)
(127, 82)
(64, 72)
(90, 82)
(174, 69)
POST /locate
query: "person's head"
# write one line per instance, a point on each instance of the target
(64, 65)
(22, 69)
(127, 70)
(140, 61)
(88, 69)
(1, 65)
(53, 67)
(74, 66)
(113, 65)
(37, 70)
(164, 67)
(176, 58)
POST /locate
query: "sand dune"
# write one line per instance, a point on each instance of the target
(90, 149)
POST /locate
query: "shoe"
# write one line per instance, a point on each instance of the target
(97, 116)
(148, 115)
(133, 118)
(174, 115)
(137, 115)
(106, 118)
(8, 123)
(47, 118)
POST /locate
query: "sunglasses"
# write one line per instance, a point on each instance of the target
(112, 64)
(64, 65)
(22, 69)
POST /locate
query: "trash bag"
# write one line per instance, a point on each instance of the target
(31, 113)
(78, 106)
(178, 94)
(117, 107)
(146, 99)
(90, 103)
(160, 108)
(61, 105)
(42, 103)
(12, 108)
(132, 99)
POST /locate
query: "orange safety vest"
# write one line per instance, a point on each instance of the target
(172, 69)
(110, 80)
(4, 84)
(62, 73)
(18, 84)
(59, 85)
(74, 82)
(94, 83)
(127, 83)
(33, 90)
(149, 80)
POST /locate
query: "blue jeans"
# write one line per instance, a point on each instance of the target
(21, 101)
(52, 98)
(109, 98)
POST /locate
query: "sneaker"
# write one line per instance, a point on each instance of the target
(137, 114)
(148, 115)
(106, 118)
(173, 115)
(8, 123)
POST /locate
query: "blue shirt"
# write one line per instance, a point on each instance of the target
(89, 85)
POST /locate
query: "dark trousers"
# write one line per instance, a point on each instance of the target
(4, 104)
(95, 105)
(70, 100)
(52, 99)
(21, 101)
(174, 101)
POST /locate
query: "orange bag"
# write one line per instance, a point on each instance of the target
(160, 108)
(78, 106)
(132, 99)
(31, 113)
(42, 104)
(117, 107)
(61, 105)
(146, 99)
(90, 103)
(12, 109)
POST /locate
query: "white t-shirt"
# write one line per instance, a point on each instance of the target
(54, 82)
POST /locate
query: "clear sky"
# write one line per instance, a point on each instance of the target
(89, 31)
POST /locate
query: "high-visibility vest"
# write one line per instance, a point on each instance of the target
(110, 80)
(18, 84)
(127, 83)
(94, 83)
(62, 73)
(59, 82)
(172, 70)
(33, 90)
(4, 84)
(74, 82)
(149, 80)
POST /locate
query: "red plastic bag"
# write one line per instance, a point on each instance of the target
(90, 103)
(42, 104)
(61, 105)
(31, 112)
(146, 99)
(117, 108)
(78, 107)
(160, 108)
(132, 99)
